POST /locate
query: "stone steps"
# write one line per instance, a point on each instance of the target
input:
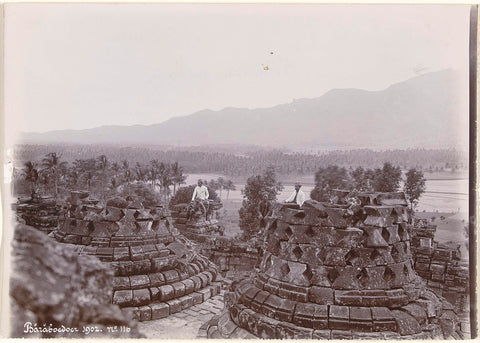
(162, 309)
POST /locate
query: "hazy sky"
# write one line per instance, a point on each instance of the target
(81, 66)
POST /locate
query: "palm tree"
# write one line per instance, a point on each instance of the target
(116, 168)
(141, 172)
(166, 179)
(178, 177)
(51, 162)
(102, 162)
(31, 175)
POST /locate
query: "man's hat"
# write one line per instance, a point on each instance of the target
(298, 184)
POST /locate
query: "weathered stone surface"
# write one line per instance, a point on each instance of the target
(51, 283)
(406, 324)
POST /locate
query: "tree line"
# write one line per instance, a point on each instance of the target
(254, 162)
(97, 175)
(104, 178)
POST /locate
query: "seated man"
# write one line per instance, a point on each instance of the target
(297, 196)
(200, 196)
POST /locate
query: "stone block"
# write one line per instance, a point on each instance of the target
(204, 279)
(166, 293)
(374, 237)
(171, 276)
(292, 295)
(86, 240)
(304, 315)
(197, 282)
(436, 268)
(361, 319)
(320, 295)
(186, 301)
(121, 254)
(338, 318)
(320, 276)
(178, 289)
(345, 278)
(154, 293)
(406, 324)
(123, 298)
(350, 237)
(139, 281)
(206, 293)
(422, 266)
(383, 319)
(197, 298)
(141, 297)
(174, 306)
(259, 299)
(416, 311)
(136, 253)
(159, 310)
(266, 327)
(156, 279)
(285, 310)
(121, 282)
(321, 334)
(235, 312)
(333, 256)
(341, 334)
(189, 286)
(347, 298)
(145, 313)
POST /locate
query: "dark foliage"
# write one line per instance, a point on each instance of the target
(255, 189)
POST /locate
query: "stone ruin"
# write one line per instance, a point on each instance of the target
(330, 271)
(157, 272)
(235, 259)
(39, 212)
(442, 266)
(197, 226)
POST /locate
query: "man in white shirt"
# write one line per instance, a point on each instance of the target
(200, 198)
(200, 192)
(297, 196)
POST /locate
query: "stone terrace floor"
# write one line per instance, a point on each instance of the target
(184, 324)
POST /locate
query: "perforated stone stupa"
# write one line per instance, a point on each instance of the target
(330, 271)
(197, 225)
(157, 271)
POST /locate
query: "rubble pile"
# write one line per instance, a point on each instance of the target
(157, 272)
(39, 212)
(57, 293)
(336, 271)
(197, 226)
(442, 267)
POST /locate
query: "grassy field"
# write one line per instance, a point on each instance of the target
(229, 216)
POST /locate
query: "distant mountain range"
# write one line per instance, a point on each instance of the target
(419, 112)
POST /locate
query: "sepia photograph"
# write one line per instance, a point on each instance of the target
(239, 171)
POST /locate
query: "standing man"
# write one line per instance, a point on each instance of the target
(297, 197)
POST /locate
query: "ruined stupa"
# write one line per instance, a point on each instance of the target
(157, 271)
(337, 271)
(195, 224)
(39, 212)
